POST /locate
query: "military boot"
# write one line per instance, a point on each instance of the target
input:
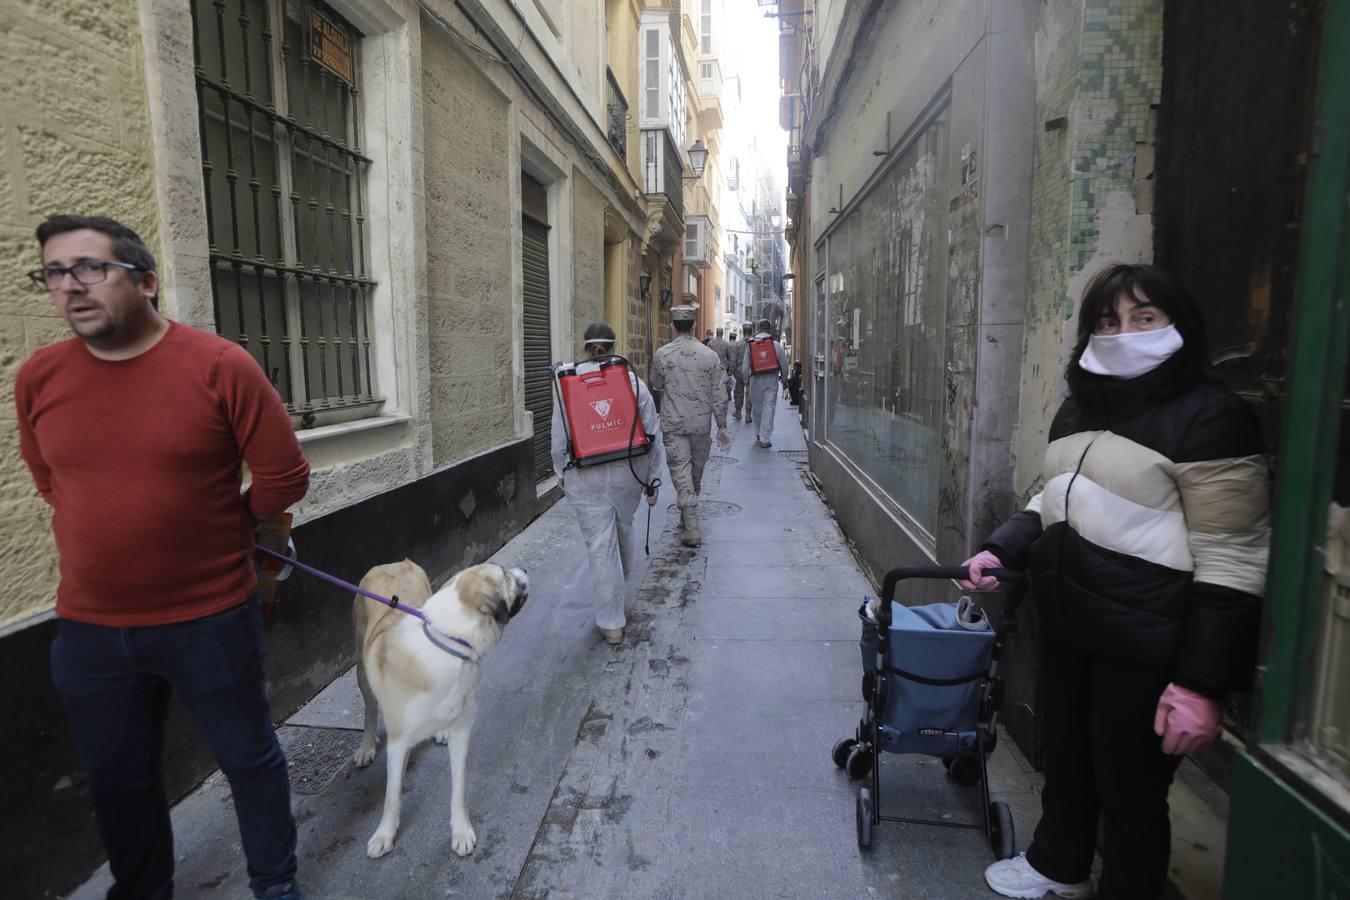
(689, 520)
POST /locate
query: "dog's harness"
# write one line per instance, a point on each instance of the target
(441, 641)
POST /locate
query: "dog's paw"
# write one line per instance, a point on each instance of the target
(379, 844)
(364, 755)
(441, 737)
(463, 840)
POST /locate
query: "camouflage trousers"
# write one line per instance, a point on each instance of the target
(686, 455)
(741, 399)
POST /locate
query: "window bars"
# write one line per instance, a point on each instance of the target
(284, 176)
(617, 107)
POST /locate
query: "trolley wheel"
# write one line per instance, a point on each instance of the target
(841, 750)
(859, 762)
(965, 770)
(864, 818)
(1001, 836)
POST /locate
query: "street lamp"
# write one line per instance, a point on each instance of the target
(645, 283)
(698, 157)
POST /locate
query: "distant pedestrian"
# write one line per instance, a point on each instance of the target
(765, 367)
(708, 337)
(605, 496)
(1148, 591)
(690, 382)
(724, 352)
(794, 384)
(136, 431)
(736, 356)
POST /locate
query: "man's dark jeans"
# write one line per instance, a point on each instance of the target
(115, 683)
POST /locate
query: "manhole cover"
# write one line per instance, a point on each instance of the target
(315, 755)
(793, 454)
(711, 509)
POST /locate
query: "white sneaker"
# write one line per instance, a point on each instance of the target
(1016, 878)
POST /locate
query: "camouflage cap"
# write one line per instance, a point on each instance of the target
(682, 313)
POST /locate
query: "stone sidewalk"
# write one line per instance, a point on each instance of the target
(691, 762)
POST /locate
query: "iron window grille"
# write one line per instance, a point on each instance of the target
(284, 177)
(617, 107)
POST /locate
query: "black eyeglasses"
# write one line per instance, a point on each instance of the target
(90, 271)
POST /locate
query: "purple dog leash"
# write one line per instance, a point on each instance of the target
(391, 602)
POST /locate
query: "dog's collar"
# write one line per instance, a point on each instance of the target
(446, 642)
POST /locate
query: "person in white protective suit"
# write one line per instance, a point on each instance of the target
(764, 386)
(605, 497)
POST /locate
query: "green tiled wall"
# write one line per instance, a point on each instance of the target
(1099, 71)
(1119, 79)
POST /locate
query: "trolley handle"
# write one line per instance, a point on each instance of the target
(1010, 577)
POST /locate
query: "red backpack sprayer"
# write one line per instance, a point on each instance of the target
(598, 398)
(763, 356)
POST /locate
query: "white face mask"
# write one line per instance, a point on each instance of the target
(1130, 355)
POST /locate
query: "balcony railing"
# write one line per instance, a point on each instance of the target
(662, 168)
(617, 132)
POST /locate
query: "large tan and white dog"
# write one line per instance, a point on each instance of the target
(424, 690)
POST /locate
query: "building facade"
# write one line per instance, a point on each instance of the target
(909, 164)
(957, 173)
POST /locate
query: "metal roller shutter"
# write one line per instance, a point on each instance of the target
(538, 343)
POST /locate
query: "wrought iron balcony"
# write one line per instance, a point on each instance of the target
(617, 132)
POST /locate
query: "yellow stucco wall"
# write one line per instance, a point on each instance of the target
(623, 19)
(469, 256)
(74, 137)
(588, 256)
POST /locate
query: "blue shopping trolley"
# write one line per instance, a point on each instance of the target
(931, 685)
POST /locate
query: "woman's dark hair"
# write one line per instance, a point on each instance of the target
(1162, 290)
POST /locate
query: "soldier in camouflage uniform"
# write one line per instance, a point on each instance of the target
(735, 357)
(690, 381)
(736, 351)
(719, 346)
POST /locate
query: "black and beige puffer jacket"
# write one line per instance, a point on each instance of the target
(1149, 539)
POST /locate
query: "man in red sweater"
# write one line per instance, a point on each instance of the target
(136, 431)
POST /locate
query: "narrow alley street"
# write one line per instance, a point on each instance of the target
(692, 762)
(335, 271)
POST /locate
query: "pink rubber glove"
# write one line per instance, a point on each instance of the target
(977, 564)
(1187, 722)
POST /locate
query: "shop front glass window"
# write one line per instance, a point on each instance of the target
(885, 313)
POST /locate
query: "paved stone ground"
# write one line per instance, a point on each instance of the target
(692, 762)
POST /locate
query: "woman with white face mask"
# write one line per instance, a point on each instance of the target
(1147, 554)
